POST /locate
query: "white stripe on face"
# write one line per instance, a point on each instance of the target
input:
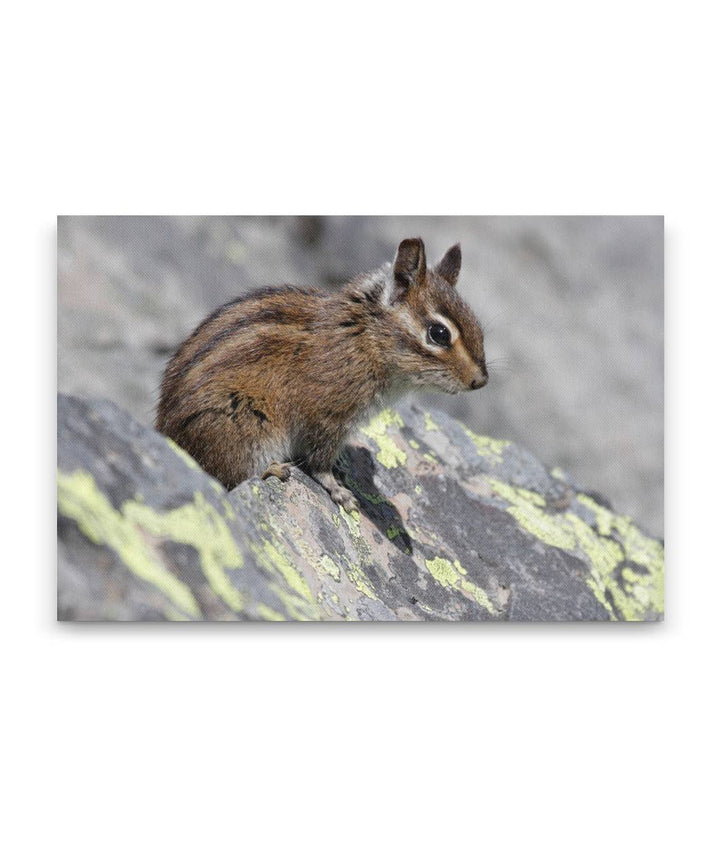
(408, 321)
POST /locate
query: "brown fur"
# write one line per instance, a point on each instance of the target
(284, 374)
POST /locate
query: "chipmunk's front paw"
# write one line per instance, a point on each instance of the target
(280, 471)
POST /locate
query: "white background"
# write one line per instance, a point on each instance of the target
(443, 739)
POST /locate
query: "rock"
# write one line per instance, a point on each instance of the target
(453, 526)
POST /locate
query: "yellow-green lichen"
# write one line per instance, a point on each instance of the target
(393, 531)
(430, 424)
(181, 453)
(454, 576)
(603, 516)
(488, 447)
(173, 614)
(289, 584)
(80, 499)
(374, 498)
(203, 528)
(359, 580)
(273, 558)
(414, 444)
(197, 524)
(641, 591)
(513, 493)
(296, 607)
(326, 565)
(352, 521)
(329, 567)
(390, 455)
(606, 545)
(322, 564)
(267, 613)
(526, 507)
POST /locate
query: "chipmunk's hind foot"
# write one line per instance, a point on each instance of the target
(339, 494)
(280, 471)
(345, 499)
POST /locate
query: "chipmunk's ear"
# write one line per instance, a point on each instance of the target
(449, 265)
(409, 267)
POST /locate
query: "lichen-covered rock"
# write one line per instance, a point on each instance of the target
(453, 526)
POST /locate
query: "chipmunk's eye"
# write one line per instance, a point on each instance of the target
(438, 334)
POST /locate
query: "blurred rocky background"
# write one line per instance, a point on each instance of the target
(572, 306)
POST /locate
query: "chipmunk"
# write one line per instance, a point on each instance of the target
(282, 375)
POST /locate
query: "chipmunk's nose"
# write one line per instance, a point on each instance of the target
(480, 379)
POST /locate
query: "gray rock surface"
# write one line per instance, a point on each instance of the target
(573, 307)
(453, 526)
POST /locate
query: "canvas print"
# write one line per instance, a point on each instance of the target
(310, 418)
